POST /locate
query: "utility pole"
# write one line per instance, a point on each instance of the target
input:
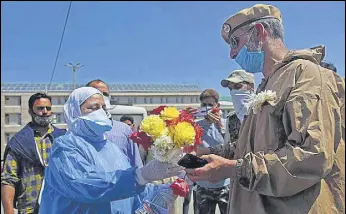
(74, 69)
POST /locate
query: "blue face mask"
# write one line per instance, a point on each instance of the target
(240, 101)
(251, 62)
(93, 125)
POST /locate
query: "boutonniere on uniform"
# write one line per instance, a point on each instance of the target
(257, 100)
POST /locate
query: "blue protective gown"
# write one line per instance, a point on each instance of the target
(85, 178)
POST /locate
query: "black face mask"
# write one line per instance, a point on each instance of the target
(42, 121)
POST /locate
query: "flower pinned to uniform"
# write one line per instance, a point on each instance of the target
(257, 100)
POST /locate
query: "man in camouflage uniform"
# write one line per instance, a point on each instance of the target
(290, 154)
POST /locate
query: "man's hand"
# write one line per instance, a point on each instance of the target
(215, 117)
(155, 170)
(7, 197)
(216, 170)
(202, 151)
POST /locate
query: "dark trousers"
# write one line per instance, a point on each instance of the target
(187, 201)
(208, 198)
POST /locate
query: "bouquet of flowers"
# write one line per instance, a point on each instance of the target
(167, 132)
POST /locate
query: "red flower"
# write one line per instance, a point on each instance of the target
(185, 116)
(215, 110)
(180, 188)
(158, 110)
(189, 149)
(199, 134)
(141, 138)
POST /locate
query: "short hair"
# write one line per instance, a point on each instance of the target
(274, 26)
(38, 96)
(209, 93)
(329, 66)
(124, 118)
(97, 81)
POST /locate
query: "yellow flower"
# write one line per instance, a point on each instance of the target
(169, 113)
(154, 126)
(183, 134)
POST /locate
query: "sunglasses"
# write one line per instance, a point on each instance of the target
(234, 40)
(236, 86)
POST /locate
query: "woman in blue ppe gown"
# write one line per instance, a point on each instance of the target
(86, 173)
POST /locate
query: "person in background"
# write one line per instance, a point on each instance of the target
(128, 120)
(26, 157)
(120, 133)
(240, 84)
(290, 154)
(208, 195)
(88, 172)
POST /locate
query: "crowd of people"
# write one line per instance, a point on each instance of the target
(282, 150)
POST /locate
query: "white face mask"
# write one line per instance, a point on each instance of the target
(240, 99)
(108, 106)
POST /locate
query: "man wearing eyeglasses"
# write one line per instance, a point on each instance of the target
(290, 154)
(26, 156)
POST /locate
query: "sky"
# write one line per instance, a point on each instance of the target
(148, 42)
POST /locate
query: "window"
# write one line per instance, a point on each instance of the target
(145, 100)
(13, 100)
(166, 99)
(8, 136)
(59, 100)
(135, 100)
(151, 100)
(181, 99)
(60, 118)
(177, 100)
(161, 99)
(13, 119)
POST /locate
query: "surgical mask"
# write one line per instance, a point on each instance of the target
(241, 99)
(108, 106)
(93, 125)
(251, 62)
(42, 120)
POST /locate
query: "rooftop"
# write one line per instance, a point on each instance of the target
(68, 87)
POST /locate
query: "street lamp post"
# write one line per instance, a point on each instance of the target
(74, 69)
